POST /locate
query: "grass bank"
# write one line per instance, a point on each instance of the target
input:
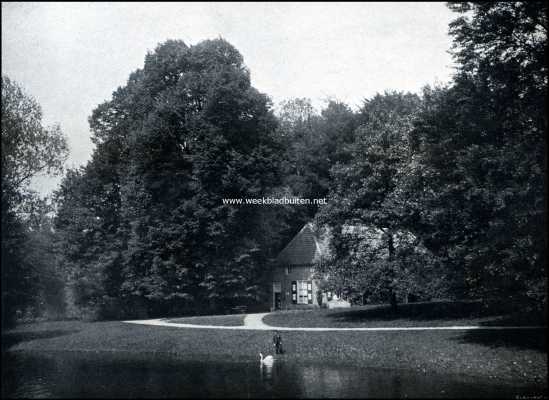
(220, 320)
(487, 354)
(408, 315)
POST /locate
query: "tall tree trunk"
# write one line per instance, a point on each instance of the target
(394, 305)
(391, 246)
(392, 294)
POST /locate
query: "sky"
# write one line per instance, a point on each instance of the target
(71, 56)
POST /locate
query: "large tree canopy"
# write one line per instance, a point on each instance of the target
(481, 152)
(462, 172)
(187, 131)
(28, 148)
(374, 251)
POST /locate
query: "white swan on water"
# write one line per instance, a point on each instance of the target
(268, 361)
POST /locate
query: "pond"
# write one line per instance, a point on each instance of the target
(116, 375)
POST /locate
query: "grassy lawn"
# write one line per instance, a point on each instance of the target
(408, 315)
(490, 354)
(221, 320)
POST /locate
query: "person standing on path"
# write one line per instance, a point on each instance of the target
(277, 343)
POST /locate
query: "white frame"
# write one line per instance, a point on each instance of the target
(303, 292)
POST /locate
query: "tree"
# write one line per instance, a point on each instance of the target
(187, 131)
(40, 254)
(28, 149)
(481, 152)
(338, 124)
(87, 240)
(369, 214)
(504, 41)
(300, 138)
(312, 143)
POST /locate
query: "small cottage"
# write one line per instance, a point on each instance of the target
(293, 285)
(293, 278)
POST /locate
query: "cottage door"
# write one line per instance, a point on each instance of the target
(278, 301)
(277, 296)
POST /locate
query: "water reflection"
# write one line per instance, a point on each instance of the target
(135, 376)
(266, 372)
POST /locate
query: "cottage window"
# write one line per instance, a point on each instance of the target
(303, 292)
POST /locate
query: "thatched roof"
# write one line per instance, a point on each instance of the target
(307, 247)
(311, 244)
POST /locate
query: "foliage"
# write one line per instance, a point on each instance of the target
(481, 153)
(375, 255)
(186, 131)
(312, 143)
(28, 149)
(435, 195)
(451, 171)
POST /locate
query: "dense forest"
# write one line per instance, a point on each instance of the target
(453, 177)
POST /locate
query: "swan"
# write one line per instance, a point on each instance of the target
(268, 361)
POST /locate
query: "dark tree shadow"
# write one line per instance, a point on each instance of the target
(439, 310)
(10, 339)
(534, 339)
(519, 319)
